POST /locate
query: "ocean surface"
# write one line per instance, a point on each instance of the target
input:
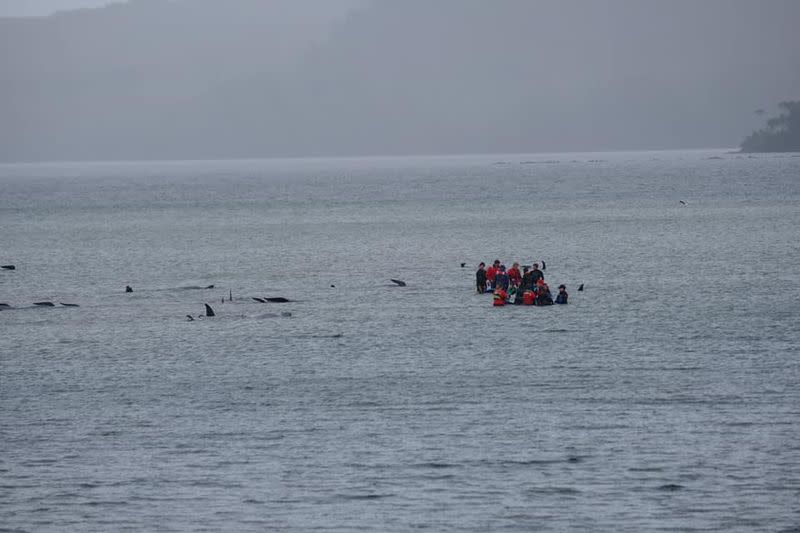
(664, 397)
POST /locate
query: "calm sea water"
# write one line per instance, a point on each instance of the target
(666, 396)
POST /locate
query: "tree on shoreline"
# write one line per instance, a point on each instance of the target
(781, 134)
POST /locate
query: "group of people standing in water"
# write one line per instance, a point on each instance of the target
(526, 287)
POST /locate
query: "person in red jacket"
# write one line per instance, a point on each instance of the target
(514, 275)
(491, 272)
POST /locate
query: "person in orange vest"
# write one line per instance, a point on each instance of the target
(537, 291)
(500, 297)
(528, 297)
(544, 297)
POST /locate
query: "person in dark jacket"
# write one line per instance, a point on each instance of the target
(536, 273)
(501, 280)
(562, 296)
(528, 284)
(480, 278)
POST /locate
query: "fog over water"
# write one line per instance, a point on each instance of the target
(247, 78)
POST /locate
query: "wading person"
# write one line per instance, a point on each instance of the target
(480, 278)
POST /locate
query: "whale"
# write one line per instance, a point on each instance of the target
(44, 304)
(581, 287)
(209, 311)
(8, 267)
(4, 306)
(285, 314)
(69, 305)
(398, 282)
(259, 300)
(128, 288)
(277, 300)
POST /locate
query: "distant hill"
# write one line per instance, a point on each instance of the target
(781, 134)
(171, 79)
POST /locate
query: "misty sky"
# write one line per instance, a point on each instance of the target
(166, 79)
(36, 8)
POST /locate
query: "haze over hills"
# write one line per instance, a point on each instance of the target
(160, 79)
(39, 8)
